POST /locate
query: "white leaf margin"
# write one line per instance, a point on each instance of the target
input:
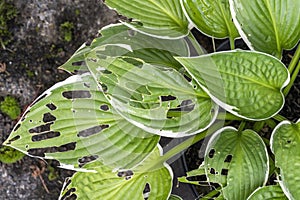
(281, 183)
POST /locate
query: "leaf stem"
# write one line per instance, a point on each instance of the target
(228, 116)
(279, 118)
(293, 78)
(242, 126)
(231, 41)
(195, 44)
(294, 72)
(294, 60)
(187, 143)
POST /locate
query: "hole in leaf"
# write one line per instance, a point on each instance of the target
(51, 106)
(212, 171)
(106, 72)
(48, 118)
(14, 139)
(211, 153)
(135, 62)
(78, 63)
(168, 98)
(63, 148)
(76, 94)
(104, 87)
(45, 136)
(88, 85)
(104, 107)
(228, 158)
(288, 141)
(131, 32)
(41, 128)
(224, 172)
(69, 193)
(126, 174)
(187, 77)
(187, 105)
(17, 127)
(147, 190)
(201, 178)
(86, 159)
(92, 131)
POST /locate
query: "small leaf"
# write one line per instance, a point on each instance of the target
(285, 144)
(273, 192)
(246, 83)
(267, 26)
(175, 197)
(212, 17)
(137, 183)
(157, 99)
(161, 18)
(75, 124)
(237, 161)
(119, 40)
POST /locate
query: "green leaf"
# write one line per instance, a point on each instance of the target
(285, 144)
(75, 124)
(212, 17)
(246, 83)
(238, 161)
(160, 18)
(106, 183)
(273, 192)
(157, 99)
(119, 40)
(175, 197)
(268, 26)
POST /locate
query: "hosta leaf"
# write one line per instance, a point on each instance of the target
(285, 144)
(161, 18)
(267, 25)
(212, 17)
(119, 40)
(106, 183)
(273, 192)
(157, 99)
(238, 161)
(74, 123)
(246, 83)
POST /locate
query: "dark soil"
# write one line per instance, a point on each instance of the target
(37, 48)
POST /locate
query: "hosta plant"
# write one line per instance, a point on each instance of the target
(148, 78)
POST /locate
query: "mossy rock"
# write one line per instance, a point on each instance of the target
(9, 155)
(10, 107)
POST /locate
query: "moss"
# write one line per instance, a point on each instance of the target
(10, 107)
(29, 73)
(7, 13)
(9, 155)
(52, 173)
(66, 30)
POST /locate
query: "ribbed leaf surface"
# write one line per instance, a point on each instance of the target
(268, 25)
(161, 18)
(285, 144)
(75, 124)
(212, 17)
(106, 183)
(119, 40)
(246, 83)
(157, 99)
(273, 192)
(237, 161)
